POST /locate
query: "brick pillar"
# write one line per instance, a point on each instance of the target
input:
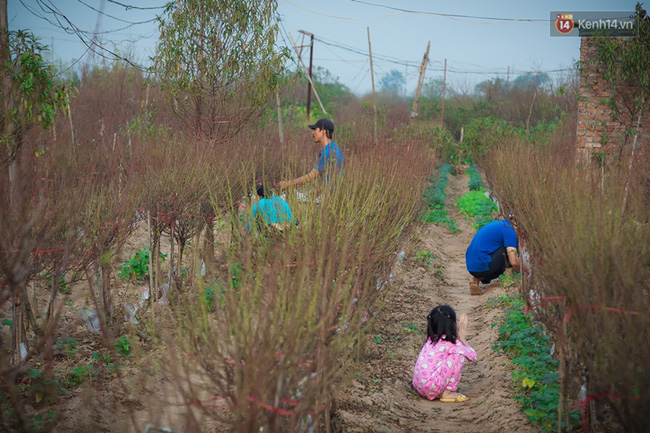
(599, 134)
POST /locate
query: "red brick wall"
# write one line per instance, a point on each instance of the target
(600, 134)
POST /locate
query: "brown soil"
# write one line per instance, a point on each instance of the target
(381, 398)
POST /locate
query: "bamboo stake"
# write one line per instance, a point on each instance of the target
(71, 125)
(151, 267)
(444, 88)
(171, 258)
(423, 69)
(277, 102)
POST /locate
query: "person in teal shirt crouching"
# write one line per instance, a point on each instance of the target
(273, 212)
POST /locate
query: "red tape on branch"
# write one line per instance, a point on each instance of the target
(567, 316)
(542, 301)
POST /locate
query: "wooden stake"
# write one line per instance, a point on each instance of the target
(309, 86)
(277, 102)
(444, 87)
(374, 96)
(171, 258)
(423, 69)
(151, 257)
(71, 126)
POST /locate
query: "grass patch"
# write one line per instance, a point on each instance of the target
(477, 207)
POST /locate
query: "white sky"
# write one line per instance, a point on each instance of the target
(475, 49)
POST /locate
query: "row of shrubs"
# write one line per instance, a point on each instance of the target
(436, 198)
(586, 229)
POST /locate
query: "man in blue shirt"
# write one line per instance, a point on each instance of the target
(274, 211)
(330, 157)
(493, 248)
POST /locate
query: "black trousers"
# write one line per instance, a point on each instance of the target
(497, 267)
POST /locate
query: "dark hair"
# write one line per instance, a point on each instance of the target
(260, 190)
(441, 324)
(329, 133)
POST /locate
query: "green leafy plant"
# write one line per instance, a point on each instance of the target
(527, 344)
(63, 286)
(475, 181)
(235, 274)
(214, 296)
(41, 387)
(510, 280)
(410, 328)
(435, 197)
(103, 362)
(425, 257)
(123, 345)
(439, 216)
(78, 374)
(68, 345)
(435, 193)
(138, 267)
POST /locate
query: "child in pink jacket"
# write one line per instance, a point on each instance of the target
(440, 364)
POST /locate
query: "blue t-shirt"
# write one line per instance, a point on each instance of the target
(273, 210)
(330, 157)
(487, 240)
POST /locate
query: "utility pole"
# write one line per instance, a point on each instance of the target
(444, 86)
(507, 77)
(311, 59)
(423, 69)
(295, 47)
(374, 97)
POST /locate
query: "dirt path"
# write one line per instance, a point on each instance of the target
(381, 398)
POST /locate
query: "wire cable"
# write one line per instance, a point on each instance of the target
(142, 8)
(344, 18)
(113, 17)
(439, 14)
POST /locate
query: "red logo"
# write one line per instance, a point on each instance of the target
(564, 23)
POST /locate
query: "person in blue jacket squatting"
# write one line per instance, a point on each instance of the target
(330, 157)
(274, 211)
(493, 248)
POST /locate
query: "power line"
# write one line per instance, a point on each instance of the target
(454, 16)
(343, 18)
(127, 7)
(73, 29)
(68, 29)
(114, 17)
(415, 64)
